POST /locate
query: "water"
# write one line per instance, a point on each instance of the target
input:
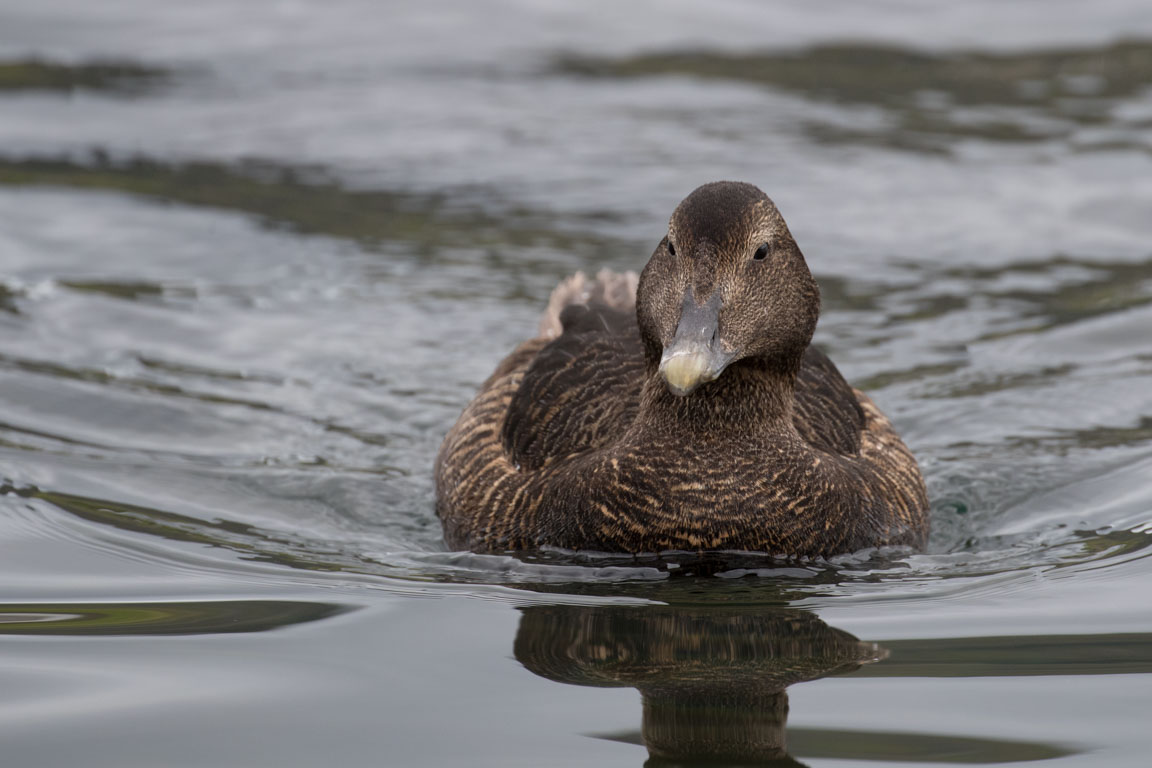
(255, 258)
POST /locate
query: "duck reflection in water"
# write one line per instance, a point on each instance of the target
(712, 679)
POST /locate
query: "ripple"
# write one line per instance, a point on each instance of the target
(395, 557)
(932, 100)
(175, 618)
(123, 78)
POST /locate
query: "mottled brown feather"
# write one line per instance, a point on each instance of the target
(582, 386)
(574, 442)
(581, 485)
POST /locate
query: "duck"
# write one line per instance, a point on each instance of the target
(683, 410)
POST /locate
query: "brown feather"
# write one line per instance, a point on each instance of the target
(576, 443)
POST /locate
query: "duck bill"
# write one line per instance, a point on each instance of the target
(695, 356)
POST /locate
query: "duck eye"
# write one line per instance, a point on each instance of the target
(761, 252)
(671, 248)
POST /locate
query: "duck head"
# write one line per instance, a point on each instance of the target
(727, 284)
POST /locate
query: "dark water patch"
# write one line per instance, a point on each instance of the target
(1030, 296)
(987, 384)
(132, 290)
(8, 300)
(309, 200)
(1103, 436)
(879, 74)
(931, 134)
(953, 308)
(842, 294)
(1107, 287)
(883, 747)
(933, 98)
(1116, 544)
(833, 135)
(48, 438)
(1087, 146)
(894, 746)
(173, 618)
(928, 308)
(1049, 655)
(201, 372)
(912, 374)
(938, 135)
(121, 78)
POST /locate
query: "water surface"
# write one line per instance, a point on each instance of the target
(256, 257)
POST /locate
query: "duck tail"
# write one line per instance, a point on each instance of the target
(614, 289)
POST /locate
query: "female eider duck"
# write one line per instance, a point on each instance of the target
(685, 412)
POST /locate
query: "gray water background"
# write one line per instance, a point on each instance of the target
(255, 257)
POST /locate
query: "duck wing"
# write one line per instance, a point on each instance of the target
(827, 412)
(580, 390)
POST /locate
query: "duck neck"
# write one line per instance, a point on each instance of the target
(752, 394)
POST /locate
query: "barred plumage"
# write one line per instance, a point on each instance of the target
(578, 441)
